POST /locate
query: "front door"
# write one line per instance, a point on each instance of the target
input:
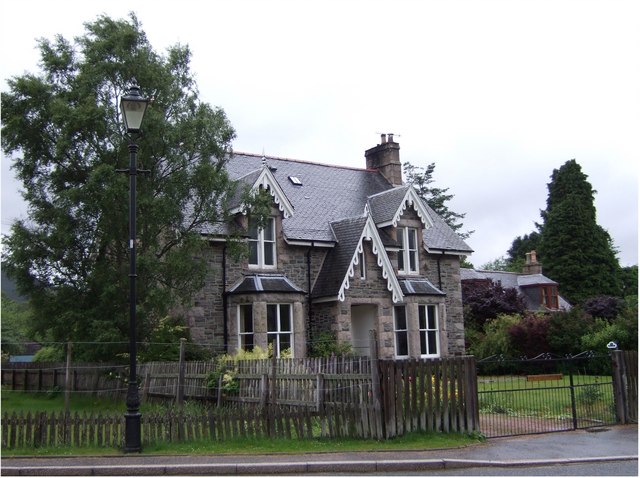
(363, 319)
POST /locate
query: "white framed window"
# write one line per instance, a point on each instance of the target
(408, 254)
(362, 265)
(429, 331)
(280, 327)
(262, 244)
(401, 331)
(245, 327)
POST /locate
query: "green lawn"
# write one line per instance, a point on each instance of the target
(514, 395)
(54, 402)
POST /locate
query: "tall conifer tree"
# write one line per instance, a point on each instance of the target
(575, 251)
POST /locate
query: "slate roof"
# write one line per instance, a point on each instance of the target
(253, 283)
(331, 193)
(420, 286)
(334, 269)
(383, 206)
(440, 237)
(515, 280)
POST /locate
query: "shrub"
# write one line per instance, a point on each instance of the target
(327, 345)
(529, 336)
(496, 339)
(605, 307)
(566, 330)
(486, 300)
(227, 366)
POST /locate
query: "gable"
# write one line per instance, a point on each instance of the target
(340, 264)
(387, 207)
(262, 178)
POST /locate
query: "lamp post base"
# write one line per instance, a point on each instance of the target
(132, 438)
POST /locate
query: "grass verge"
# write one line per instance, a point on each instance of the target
(411, 441)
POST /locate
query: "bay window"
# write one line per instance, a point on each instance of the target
(280, 327)
(245, 327)
(401, 331)
(428, 329)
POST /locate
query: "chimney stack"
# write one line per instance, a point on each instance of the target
(532, 266)
(386, 158)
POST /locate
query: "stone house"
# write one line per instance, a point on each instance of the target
(345, 250)
(540, 293)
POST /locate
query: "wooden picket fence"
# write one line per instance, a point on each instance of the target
(293, 398)
(42, 429)
(429, 395)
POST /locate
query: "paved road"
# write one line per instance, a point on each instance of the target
(610, 445)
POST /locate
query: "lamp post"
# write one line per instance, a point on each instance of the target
(133, 106)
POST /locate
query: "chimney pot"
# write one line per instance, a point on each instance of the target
(385, 158)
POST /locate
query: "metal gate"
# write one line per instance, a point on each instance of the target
(544, 394)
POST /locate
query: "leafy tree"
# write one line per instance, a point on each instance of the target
(519, 248)
(62, 128)
(604, 307)
(629, 280)
(15, 320)
(499, 264)
(422, 179)
(575, 250)
(485, 300)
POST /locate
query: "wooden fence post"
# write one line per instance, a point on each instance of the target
(181, 368)
(619, 386)
(264, 390)
(67, 380)
(320, 393)
(378, 411)
(145, 385)
(472, 409)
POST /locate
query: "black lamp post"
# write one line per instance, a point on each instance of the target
(133, 106)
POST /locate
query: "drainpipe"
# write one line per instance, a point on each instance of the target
(440, 272)
(309, 306)
(225, 315)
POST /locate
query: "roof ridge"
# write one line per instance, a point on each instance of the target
(316, 163)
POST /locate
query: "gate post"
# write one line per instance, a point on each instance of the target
(619, 386)
(375, 385)
(572, 391)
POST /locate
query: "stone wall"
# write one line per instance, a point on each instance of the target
(206, 318)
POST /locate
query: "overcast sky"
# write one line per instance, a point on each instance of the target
(497, 94)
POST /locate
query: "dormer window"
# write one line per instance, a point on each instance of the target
(549, 296)
(408, 254)
(262, 244)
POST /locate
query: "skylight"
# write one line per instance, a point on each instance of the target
(295, 180)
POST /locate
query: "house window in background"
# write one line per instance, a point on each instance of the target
(550, 296)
